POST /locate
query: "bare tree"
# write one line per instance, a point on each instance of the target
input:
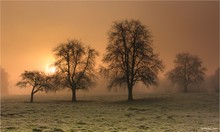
(39, 81)
(76, 65)
(130, 57)
(188, 70)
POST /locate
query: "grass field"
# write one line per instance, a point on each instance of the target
(181, 112)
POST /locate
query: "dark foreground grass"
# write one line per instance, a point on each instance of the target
(189, 112)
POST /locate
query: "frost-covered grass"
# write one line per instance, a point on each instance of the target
(151, 112)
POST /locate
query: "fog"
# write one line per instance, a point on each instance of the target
(164, 86)
(4, 82)
(30, 30)
(212, 82)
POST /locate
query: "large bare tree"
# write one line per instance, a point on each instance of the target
(188, 70)
(76, 65)
(129, 56)
(38, 80)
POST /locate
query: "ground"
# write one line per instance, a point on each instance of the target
(182, 112)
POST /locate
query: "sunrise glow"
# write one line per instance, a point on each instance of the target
(109, 65)
(50, 69)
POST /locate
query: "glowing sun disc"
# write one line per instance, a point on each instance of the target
(50, 69)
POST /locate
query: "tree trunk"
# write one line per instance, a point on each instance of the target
(32, 97)
(130, 95)
(73, 95)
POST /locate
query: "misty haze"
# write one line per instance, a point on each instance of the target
(109, 66)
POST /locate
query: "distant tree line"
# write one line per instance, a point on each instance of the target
(129, 59)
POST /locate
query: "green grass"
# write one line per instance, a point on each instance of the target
(189, 112)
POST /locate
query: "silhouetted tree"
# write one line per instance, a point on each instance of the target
(76, 66)
(130, 57)
(4, 82)
(188, 70)
(37, 80)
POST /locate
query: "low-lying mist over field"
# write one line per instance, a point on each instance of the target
(211, 84)
(156, 108)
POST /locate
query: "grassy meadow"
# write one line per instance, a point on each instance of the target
(190, 112)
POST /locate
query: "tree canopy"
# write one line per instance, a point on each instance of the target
(38, 80)
(129, 56)
(188, 70)
(76, 66)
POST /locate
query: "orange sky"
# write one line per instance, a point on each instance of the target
(30, 30)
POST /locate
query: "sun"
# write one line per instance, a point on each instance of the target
(50, 69)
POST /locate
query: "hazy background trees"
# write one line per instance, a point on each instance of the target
(38, 80)
(188, 70)
(76, 66)
(4, 82)
(130, 57)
